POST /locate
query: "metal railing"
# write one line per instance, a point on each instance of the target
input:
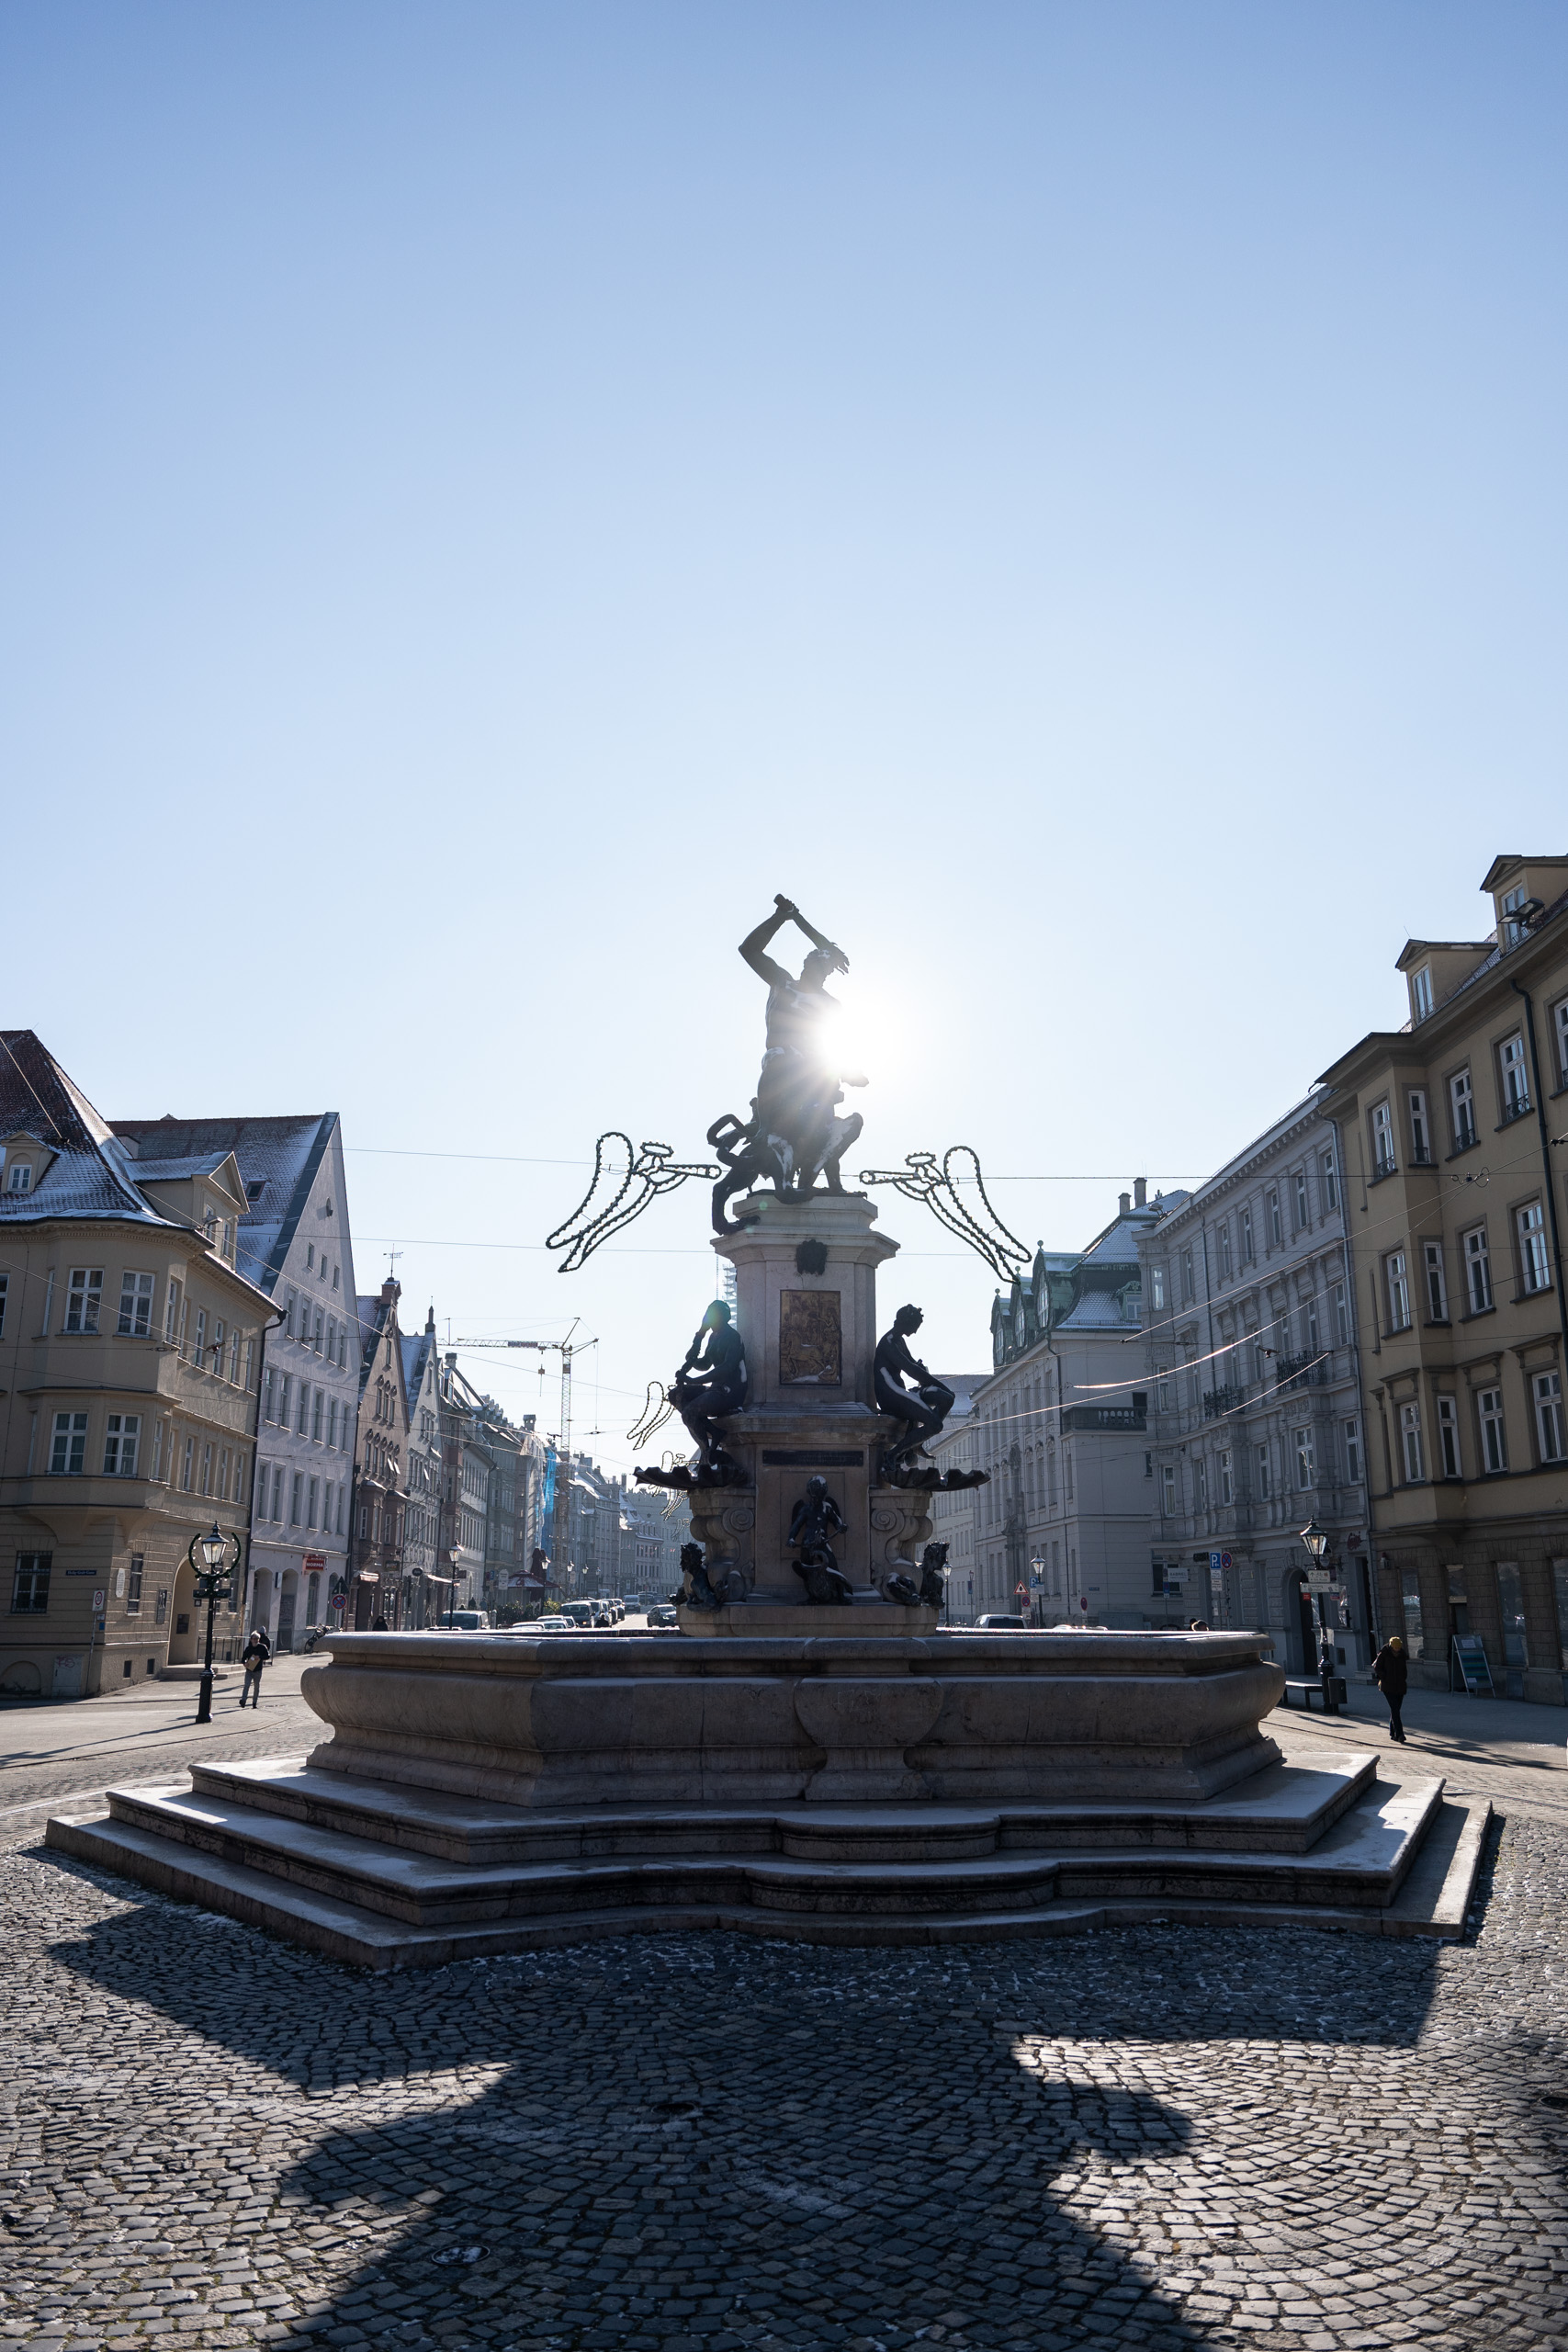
(1217, 1402)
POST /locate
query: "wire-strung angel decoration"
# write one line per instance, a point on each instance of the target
(624, 1183)
(656, 1410)
(920, 1179)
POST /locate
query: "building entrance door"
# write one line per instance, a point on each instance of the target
(286, 1616)
(1299, 1625)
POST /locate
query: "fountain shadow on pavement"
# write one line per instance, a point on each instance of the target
(795, 2146)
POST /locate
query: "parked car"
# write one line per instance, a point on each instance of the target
(659, 1615)
(549, 1625)
(580, 1615)
(999, 1624)
(465, 1621)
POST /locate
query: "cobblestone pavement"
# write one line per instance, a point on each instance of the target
(1149, 2137)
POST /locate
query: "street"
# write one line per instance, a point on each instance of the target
(1147, 2137)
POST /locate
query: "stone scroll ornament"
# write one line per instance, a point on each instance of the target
(919, 1412)
(710, 1384)
(814, 1522)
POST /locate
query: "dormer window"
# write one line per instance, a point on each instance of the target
(1511, 924)
(19, 1176)
(1421, 993)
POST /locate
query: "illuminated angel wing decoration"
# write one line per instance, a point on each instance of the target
(656, 1410)
(920, 1179)
(624, 1183)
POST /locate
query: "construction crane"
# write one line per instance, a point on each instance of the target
(568, 1348)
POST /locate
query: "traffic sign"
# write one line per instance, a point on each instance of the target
(99, 1598)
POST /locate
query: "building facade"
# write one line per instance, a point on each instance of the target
(1061, 1531)
(466, 1465)
(1452, 1133)
(652, 1535)
(377, 1596)
(294, 1244)
(130, 1348)
(426, 1579)
(1255, 1411)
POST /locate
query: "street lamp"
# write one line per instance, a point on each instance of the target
(211, 1586)
(1315, 1538)
(1037, 1573)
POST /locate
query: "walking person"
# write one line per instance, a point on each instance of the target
(1327, 1669)
(1391, 1672)
(253, 1658)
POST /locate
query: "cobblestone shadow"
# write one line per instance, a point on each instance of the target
(674, 2143)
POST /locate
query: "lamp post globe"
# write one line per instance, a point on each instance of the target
(211, 1586)
(1037, 1578)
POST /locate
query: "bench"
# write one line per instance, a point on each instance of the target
(1302, 1693)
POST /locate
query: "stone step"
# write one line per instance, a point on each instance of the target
(1359, 1863)
(1432, 1902)
(1283, 1810)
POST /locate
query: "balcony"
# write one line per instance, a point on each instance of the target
(1104, 1416)
(1218, 1402)
(1520, 1108)
(1303, 1372)
(1381, 1168)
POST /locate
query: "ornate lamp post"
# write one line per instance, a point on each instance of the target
(211, 1573)
(1316, 1539)
(1037, 1578)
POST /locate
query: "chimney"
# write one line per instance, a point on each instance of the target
(1124, 1202)
(1140, 1192)
(452, 1364)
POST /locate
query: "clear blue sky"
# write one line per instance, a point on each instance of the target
(1073, 495)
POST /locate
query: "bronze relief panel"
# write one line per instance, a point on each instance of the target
(810, 1341)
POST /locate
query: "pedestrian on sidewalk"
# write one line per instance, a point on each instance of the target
(1327, 1670)
(253, 1658)
(1391, 1672)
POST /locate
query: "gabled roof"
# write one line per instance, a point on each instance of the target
(278, 1159)
(419, 1348)
(90, 1174)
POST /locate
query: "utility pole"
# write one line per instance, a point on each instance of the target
(567, 1348)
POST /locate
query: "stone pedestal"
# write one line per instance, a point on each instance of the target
(810, 1337)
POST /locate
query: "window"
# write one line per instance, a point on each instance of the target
(188, 1466)
(1461, 1104)
(1341, 1316)
(21, 1176)
(1156, 1285)
(1300, 1183)
(206, 1468)
(1352, 1431)
(172, 1311)
(1225, 1250)
(4, 1288)
(1265, 1475)
(121, 1433)
(1276, 1229)
(234, 1361)
(1313, 1336)
(334, 1287)
(1410, 1443)
(1421, 993)
(1516, 1085)
(1493, 1436)
(84, 1297)
(135, 1305)
(311, 1503)
(1187, 1291)
(1437, 1282)
(1559, 1032)
(133, 1586)
(341, 1493)
(1448, 1436)
(297, 1503)
(1330, 1179)
(1227, 1483)
(199, 1358)
(282, 1384)
(1420, 1133)
(1306, 1459)
(30, 1584)
(1398, 1278)
(268, 1384)
(1534, 1270)
(1477, 1270)
(249, 1364)
(316, 1415)
(332, 1423)
(1382, 1141)
(1248, 1254)
(1410, 1597)
(1162, 1395)
(304, 1423)
(309, 1257)
(317, 1342)
(1549, 1415)
(70, 1449)
(289, 1314)
(1201, 1483)
(218, 1332)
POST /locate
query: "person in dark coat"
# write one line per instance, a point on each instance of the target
(1391, 1672)
(1327, 1669)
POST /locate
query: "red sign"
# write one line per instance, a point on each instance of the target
(314, 1562)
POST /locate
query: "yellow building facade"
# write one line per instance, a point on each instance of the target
(130, 1357)
(1454, 1144)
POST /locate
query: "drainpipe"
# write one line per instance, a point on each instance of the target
(1520, 991)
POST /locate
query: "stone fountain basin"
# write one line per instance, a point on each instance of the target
(945, 1718)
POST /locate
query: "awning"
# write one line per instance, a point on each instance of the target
(368, 1575)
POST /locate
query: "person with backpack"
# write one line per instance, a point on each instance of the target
(1391, 1672)
(253, 1658)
